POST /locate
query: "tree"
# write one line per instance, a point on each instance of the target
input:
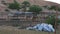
(14, 5)
(36, 10)
(25, 4)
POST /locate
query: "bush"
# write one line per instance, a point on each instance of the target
(15, 25)
(52, 8)
(14, 5)
(6, 10)
(58, 9)
(51, 20)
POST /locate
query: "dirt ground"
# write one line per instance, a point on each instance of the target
(9, 29)
(14, 30)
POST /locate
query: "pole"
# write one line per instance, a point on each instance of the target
(56, 20)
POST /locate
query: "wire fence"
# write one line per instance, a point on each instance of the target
(24, 20)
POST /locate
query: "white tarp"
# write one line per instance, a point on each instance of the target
(43, 27)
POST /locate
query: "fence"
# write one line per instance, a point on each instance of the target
(24, 19)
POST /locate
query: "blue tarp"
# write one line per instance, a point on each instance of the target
(43, 27)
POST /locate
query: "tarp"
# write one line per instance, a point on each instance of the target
(43, 27)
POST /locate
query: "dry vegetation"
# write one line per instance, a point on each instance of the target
(14, 30)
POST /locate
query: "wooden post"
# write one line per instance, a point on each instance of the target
(56, 20)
